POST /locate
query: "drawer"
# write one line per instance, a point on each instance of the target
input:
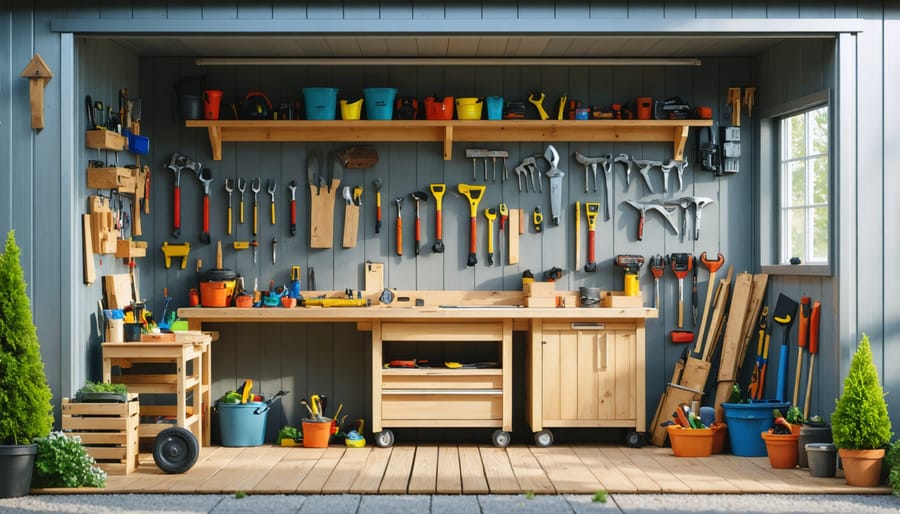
(449, 406)
(441, 381)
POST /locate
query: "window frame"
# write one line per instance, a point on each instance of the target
(770, 186)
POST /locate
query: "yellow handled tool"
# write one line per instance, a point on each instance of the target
(474, 194)
(491, 215)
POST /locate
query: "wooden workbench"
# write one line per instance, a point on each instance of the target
(484, 395)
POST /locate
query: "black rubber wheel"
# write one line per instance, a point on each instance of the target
(384, 439)
(175, 450)
(501, 439)
(544, 438)
(634, 439)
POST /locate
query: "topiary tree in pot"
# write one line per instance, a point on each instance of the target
(25, 408)
(860, 426)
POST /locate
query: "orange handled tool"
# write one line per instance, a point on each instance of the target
(813, 348)
(437, 190)
(682, 263)
(474, 194)
(399, 201)
(802, 336)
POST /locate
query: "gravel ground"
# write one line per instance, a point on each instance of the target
(442, 504)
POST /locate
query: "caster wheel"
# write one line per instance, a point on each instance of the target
(384, 439)
(175, 450)
(501, 439)
(634, 439)
(543, 439)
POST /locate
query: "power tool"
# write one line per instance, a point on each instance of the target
(632, 266)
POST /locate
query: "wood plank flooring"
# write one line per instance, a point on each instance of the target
(471, 469)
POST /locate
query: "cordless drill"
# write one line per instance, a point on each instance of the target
(632, 265)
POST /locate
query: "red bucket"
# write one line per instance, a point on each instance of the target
(212, 98)
(439, 108)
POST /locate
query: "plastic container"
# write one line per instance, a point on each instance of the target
(822, 459)
(720, 435)
(494, 107)
(243, 424)
(811, 434)
(213, 294)
(440, 108)
(132, 332)
(20, 464)
(690, 442)
(321, 102)
(745, 422)
(469, 108)
(316, 434)
(379, 102)
(644, 107)
(351, 110)
(212, 98)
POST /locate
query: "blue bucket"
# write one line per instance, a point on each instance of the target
(379, 102)
(243, 424)
(494, 107)
(321, 102)
(746, 421)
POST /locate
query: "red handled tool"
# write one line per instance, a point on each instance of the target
(682, 263)
(438, 191)
(418, 196)
(813, 348)
(657, 267)
(204, 175)
(399, 201)
(474, 194)
(713, 267)
(377, 184)
(802, 336)
(591, 209)
(292, 187)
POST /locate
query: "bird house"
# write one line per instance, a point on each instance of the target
(38, 74)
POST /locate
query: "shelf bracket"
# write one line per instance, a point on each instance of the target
(215, 141)
(448, 142)
(679, 139)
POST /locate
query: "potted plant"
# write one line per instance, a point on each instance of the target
(25, 408)
(893, 462)
(781, 443)
(100, 392)
(860, 425)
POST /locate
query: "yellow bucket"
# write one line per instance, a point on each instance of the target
(469, 108)
(351, 110)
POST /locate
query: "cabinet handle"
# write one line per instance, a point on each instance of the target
(588, 326)
(602, 349)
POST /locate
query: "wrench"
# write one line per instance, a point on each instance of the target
(530, 164)
(204, 175)
(271, 190)
(555, 175)
(645, 170)
(292, 187)
(254, 186)
(624, 158)
(607, 163)
(539, 103)
(229, 187)
(685, 203)
(242, 185)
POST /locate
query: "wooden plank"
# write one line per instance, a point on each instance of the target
(698, 476)
(498, 471)
(603, 468)
(87, 250)
(732, 342)
(474, 480)
(287, 474)
(528, 471)
(513, 235)
(346, 471)
(369, 478)
(317, 477)
(449, 478)
(246, 470)
(423, 479)
(396, 475)
(667, 479)
(565, 470)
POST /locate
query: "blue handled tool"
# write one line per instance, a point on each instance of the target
(785, 312)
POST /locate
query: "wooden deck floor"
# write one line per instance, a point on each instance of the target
(461, 469)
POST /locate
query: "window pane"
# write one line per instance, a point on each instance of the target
(819, 131)
(820, 179)
(797, 133)
(797, 177)
(820, 234)
(797, 227)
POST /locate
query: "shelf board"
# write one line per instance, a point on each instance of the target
(446, 132)
(442, 371)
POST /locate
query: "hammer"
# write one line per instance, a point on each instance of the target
(399, 201)
(418, 196)
(204, 175)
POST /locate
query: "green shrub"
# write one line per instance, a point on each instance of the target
(25, 409)
(893, 462)
(63, 462)
(860, 420)
(102, 387)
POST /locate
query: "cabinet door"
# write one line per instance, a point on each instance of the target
(588, 376)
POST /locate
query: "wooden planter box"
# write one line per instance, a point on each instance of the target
(109, 431)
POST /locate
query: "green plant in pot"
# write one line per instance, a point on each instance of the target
(860, 426)
(25, 409)
(100, 392)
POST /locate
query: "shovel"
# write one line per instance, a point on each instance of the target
(785, 312)
(268, 403)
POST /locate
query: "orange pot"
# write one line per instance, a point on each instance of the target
(720, 435)
(688, 442)
(862, 468)
(782, 449)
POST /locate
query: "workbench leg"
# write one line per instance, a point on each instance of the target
(195, 324)
(206, 390)
(376, 376)
(640, 365)
(107, 370)
(181, 397)
(534, 366)
(196, 397)
(506, 358)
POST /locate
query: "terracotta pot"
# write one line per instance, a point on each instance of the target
(782, 449)
(862, 468)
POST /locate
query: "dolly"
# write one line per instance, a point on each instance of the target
(171, 251)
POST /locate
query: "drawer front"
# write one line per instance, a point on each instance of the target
(451, 407)
(441, 382)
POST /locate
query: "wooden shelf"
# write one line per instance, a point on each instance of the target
(446, 132)
(442, 371)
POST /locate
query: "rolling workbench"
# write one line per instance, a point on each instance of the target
(608, 360)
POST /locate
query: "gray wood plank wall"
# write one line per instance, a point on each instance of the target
(35, 196)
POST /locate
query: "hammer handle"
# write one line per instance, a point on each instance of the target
(418, 234)
(439, 229)
(399, 236)
(293, 217)
(640, 234)
(473, 241)
(591, 235)
(206, 214)
(176, 219)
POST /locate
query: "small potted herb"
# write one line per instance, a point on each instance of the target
(100, 392)
(62, 461)
(290, 436)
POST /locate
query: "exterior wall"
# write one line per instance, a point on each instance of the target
(46, 193)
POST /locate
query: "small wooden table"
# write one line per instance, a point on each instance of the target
(189, 347)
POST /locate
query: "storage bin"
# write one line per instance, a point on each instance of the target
(379, 102)
(746, 421)
(439, 108)
(494, 107)
(811, 434)
(316, 434)
(690, 442)
(351, 110)
(243, 424)
(469, 108)
(822, 459)
(321, 102)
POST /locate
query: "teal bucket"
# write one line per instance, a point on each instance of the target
(494, 107)
(243, 424)
(321, 102)
(746, 421)
(379, 102)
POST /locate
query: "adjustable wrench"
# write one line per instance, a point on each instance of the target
(229, 187)
(645, 170)
(555, 175)
(242, 185)
(204, 175)
(271, 191)
(292, 187)
(679, 167)
(254, 186)
(624, 158)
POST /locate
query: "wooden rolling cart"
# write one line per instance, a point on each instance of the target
(190, 352)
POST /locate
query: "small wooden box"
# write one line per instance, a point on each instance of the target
(109, 431)
(111, 178)
(126, 249)
(158, 338)
(539, 289)
(543, 302)
(104, 140)
(617, 299)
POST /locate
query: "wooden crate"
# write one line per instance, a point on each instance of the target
(109, 431)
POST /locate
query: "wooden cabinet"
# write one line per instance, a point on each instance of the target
(586, 374)
(471, 397)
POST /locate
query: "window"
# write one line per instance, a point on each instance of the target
(804, 179)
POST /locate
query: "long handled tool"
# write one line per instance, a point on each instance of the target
(474, 194)
(504, 215)
(292, 187)
(755, 381)
(377, 184)
(802, 337)
(255, 187)
(437, 190)
(784, 315)
(204, 175)
(591, 209)
(712, 267)
(242, 185)
(657, 266)
(813, 349)
(681, 266)
(491, 214)
(229, 187)
(418, 196)
(399, 201)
